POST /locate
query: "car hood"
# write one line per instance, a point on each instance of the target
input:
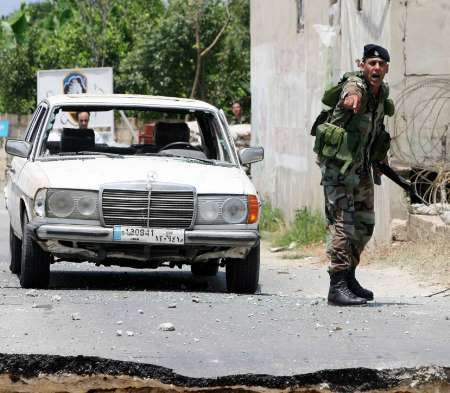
(91, 173)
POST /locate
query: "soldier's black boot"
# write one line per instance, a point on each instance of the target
(356, 287)
(339, 293)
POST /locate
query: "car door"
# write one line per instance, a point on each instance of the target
(13, 189)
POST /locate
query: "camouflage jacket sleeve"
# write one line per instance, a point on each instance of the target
(353, 85)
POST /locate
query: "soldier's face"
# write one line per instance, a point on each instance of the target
(374, 70)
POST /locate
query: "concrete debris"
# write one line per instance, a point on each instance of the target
(277, 249)
(445, 216)
(292, 245)
(166, 327)
(428, 210)
(399, 230)
(32, 293)
(44, 306)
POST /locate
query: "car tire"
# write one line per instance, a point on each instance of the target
(243, 275)
(35, 262)
(15, 249)
(204, 269)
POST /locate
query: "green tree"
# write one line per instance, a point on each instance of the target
(165, 58)
(182, 48)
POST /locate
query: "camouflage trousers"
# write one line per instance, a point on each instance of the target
(349, 210)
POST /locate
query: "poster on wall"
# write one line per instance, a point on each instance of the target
(4, 128)
(78, 81)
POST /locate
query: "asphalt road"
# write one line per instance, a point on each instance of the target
(286, 329)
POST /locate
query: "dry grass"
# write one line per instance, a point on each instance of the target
(428, 260)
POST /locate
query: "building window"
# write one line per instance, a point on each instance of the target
(359, 5)
(300, 15)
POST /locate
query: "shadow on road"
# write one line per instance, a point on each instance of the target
(136, 281)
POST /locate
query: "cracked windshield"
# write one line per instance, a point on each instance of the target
(189, 134)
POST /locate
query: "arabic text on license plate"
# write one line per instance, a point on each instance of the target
(149, 235)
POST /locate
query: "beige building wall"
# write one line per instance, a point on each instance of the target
(281, 107)
(291, 66)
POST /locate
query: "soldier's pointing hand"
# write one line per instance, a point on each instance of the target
(352, 102)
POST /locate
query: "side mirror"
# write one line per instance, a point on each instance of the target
(18, 147)
(249, 155)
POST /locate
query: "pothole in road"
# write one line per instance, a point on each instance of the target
(48, 374)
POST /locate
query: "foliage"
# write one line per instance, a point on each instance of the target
(308, 227)
(271, 219)
(149, 43)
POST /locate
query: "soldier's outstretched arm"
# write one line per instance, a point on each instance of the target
(351, 95)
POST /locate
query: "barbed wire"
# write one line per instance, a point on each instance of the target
(420, 131)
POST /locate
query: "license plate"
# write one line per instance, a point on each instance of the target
(148, 235)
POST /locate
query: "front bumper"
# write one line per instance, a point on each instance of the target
(97, 234)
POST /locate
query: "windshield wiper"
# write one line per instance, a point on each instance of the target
(90, 153)
(192, 159)
(205, 160)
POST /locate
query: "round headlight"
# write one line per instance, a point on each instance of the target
(209, 211)
(87, 205)
(61, 204)
(234, 211)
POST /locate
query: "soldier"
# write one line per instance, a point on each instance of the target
(347, 145)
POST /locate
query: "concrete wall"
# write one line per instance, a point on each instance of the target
(281, 106)
(290, 70)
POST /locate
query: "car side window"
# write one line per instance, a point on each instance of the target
(34, 128)
(32, 123)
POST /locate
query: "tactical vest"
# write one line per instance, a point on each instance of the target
(340, 143)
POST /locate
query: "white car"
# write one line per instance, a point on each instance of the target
(137, 187)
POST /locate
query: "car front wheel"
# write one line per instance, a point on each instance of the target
(35, 262)
(15, 249)
(243, 275)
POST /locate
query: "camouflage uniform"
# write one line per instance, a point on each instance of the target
(348, 186)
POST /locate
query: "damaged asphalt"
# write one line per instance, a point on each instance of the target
(281, 336)
(26, 367)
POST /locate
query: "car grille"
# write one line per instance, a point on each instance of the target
(160, 209)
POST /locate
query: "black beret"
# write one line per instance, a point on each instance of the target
(372, 50)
